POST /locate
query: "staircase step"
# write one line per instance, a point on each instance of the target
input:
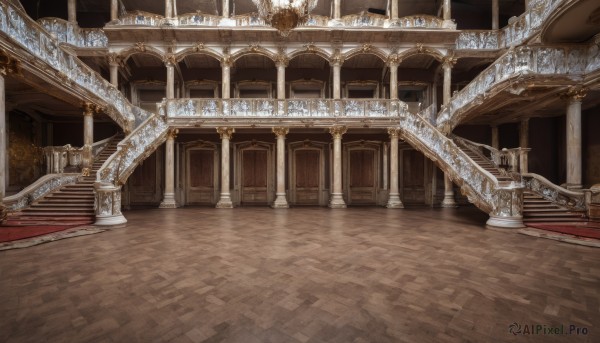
(57, 214)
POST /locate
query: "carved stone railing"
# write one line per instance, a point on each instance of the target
(523, 61)
(44, 185)
(507, 161)
(18, 29)
(515, 33)
(198, 19)
(61, 158)
(250, 19)
(136, 147)
(289, 108)
(570, 199)
(502, 200)
(422, 21)
(140, 18)
(69, 33)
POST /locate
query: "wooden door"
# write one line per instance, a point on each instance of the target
(254, 177)
(413, 177)
(200, 177)
(362, 171)
(307, 176)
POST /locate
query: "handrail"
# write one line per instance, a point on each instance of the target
(575, 200)
(507, 161)
(38, 189)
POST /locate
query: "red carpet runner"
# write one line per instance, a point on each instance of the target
(13, 233)
(581, 229)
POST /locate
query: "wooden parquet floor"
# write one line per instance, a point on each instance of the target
(299, 275)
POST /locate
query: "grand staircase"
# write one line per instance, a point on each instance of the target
(535, 207)
(72, 204)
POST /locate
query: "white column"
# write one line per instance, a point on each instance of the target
(113, 62)
(225, 78)
(3, 138)
(337, 199)
(393, 65)
(394, 197)
(72, 8)
(495, 15)
(524, 145)
(447, 14)
(394, 10)
(169, 195)
(226, 133)
(336, 64)
(88, 138)
(168, 9)
(114, 9)
(226, 8)
(280, 201)
(447, 66)
(337, 11)
(574, 138)
(281, 65)
(170, 64)
(385, 165)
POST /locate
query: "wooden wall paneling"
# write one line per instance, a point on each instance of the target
(146, 182)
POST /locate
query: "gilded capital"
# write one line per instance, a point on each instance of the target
(575, 93)
(337, 131)
(337, 59)
(394, 60)
(170, 60)
(114, 59)
(89, 109)
(394, 132)
(281, 60)
(225, 132)
(172, 134)
(280, 131)
(226, 61)
(449, 61)
(8, 65)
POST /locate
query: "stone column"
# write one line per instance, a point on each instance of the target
(385, 165)
(281, 63)
(226, 133)
(337, 199)
(393, 65)
(225, 8)
(114, 9)
(169, 196)
(168, 9)
(575, 96)
(447, 13)
(337, 11)
(495, 137)
(524, 145)
(72, 9)
(447, 65)
(225, 77)
(170, 64)
(394, 197)
(394, 10)
(336, 64)
(88, 138)
(280, 201)
(3, 138)
(495, 15)
(114, 62)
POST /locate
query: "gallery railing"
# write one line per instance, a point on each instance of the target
(69, 33)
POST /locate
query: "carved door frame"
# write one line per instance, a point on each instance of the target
(238, 151)
(322, 147)
(201, 145)
(348, 147)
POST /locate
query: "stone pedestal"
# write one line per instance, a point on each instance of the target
(448, 194)
(108, 204)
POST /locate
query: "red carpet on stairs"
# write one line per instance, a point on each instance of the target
(581, 229)
(13, 233)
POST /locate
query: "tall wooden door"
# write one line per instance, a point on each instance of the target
(307, 175)
(200, 188)
(362, 177)
(254, 177)
(413, 177)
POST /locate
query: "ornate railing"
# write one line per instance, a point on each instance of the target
(502, 200)
(141, 18)
(198, 19)
(44, 185)
(69, 33)
(505, 160)
(558, 195)
(289, 108)
(61, 158)
(31, 36)
(479, 40)
(521, 61)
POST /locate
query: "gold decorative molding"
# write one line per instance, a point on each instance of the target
(170, 60)
(575, 93)
(199, 47)
(90, 108)
(281, 60)
(225, 132)
(394, 132)
(337, 131)
(9, 65)
(280, 131)
(114, 59)
(337, 59)
(172, 134)
(140, 46)
(394, 60)
(226, 61)
(449, 61)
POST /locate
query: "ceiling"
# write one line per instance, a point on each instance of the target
(586, 13)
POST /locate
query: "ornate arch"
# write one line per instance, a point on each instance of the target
(310, 49)
(198, 49)
(422, 50)
(253, 50)
(366, 49)
(141, 48)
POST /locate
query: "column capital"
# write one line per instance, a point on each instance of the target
(575, 93)
(8, 65)
(170, 60)
(337, 59)
(280, 131)
(393, 61)
(337, 131)
(90, 108)
(172, 134)
(394, 132)
(226, 61)
(225, 132)
(114, 59)
(449, 61)
(281, 60)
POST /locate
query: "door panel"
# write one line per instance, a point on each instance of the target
(307, 176)
(201, 177)
(362, 176)
(254, 176)
(413, 179)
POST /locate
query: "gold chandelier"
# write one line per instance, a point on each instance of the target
(284, 15)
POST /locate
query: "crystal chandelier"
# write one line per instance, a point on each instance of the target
(284, 15)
